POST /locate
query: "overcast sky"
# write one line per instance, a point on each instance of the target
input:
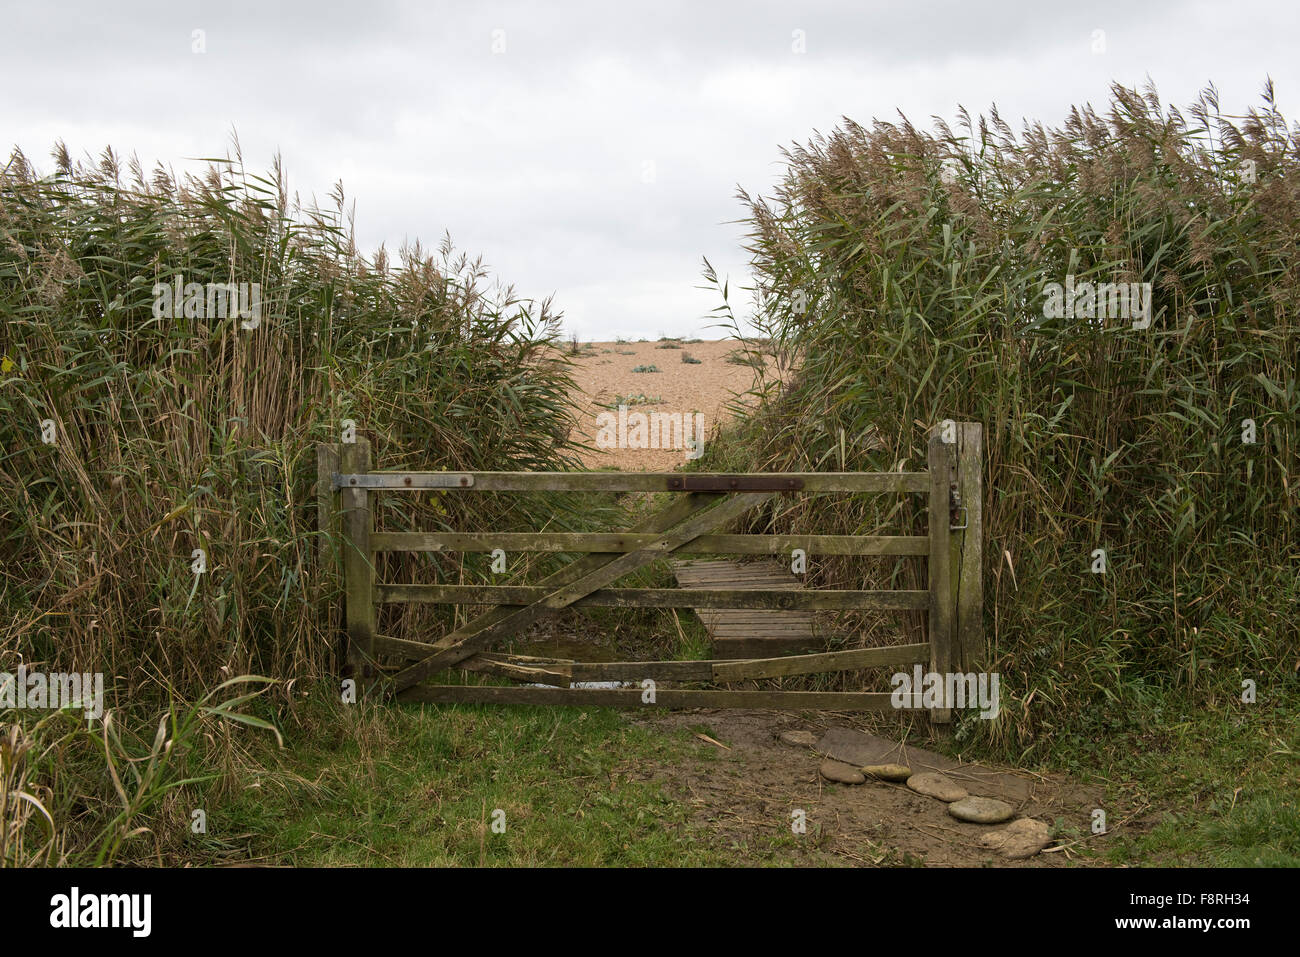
(590, 150)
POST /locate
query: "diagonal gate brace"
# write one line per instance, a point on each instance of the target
(679, 527)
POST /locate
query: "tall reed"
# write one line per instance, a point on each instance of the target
(198, 431)
(907, 272)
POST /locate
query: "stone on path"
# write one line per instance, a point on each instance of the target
(935, 785)
(978, 810)
(1019, 839)
(799, 739)
(888, 772)
(841, 773)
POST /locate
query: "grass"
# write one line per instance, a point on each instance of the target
(199, 431)
(418, 786)
(903, 297)
(639, 398)
(1209, 786)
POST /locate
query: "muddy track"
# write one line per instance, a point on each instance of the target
(744, 796)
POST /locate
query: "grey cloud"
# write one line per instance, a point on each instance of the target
(534, 156)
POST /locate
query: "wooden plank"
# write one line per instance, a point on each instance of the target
(738, 632)
(737, 580)
(884, 482)
(775, 598)
(358, 561)
(515, 670)
(463, 643)
(941, 459)
(826, 661)
(640, 670)
(663, 698)
(630, 542)
(746, 482)
(970, 582)
(766, 647)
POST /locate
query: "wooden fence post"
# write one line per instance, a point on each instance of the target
(358, 561)
(941, 461)
(327, 538)
(970, 648)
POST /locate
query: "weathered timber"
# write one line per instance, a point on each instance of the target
(654, 597)
(542, 671)
(658, 522)
(630, 542)
(941, 461)
(735, 483)
(884, 482)
(402, 481)
(465, 641)
(785, 629)
(637, 698)
(358, 561)
(970, 583)
(816, 664)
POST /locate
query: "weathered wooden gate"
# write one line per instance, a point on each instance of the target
(952, 599)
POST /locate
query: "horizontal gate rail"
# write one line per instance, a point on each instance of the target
(563, 670)
(763, 598)
(692, 525)
(630, 542)
(558, 670)
(665, 698)
(634, 481)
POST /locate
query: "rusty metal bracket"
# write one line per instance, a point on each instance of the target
(399, 482)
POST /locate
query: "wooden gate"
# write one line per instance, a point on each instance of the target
(952, 600)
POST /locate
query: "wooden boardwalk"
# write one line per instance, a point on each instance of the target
(747, 632)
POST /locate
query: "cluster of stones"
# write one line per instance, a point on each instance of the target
(1022, 838)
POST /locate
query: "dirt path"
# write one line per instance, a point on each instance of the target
(746, 783)
(746, 793)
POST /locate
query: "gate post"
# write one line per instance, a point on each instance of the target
(358, 561)
(970, 578)
(942, 463)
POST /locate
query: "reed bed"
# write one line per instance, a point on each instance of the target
(199, 432)
(906, 273)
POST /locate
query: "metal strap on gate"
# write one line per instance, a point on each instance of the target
(398, 481)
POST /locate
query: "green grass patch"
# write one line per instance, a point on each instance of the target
(425, 787)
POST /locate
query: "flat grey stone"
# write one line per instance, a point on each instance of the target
(980, 810)
(935, 785)
(799, 739)
(841, 773)
(859, 749)
(888, 772)
(1021, 838)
